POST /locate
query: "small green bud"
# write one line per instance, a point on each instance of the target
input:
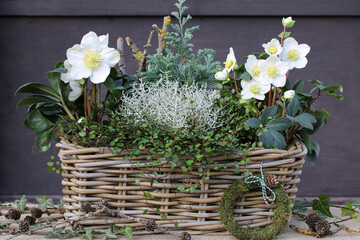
(288, 22)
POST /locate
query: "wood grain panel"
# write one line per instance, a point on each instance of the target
(30, 46)
(164, 7)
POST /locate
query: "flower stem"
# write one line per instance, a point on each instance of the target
(85, 98)
(283, 36)
(316, 97)
(98, 90)
(93, 97)
(236, 88)
(269, 99)
(274, 96)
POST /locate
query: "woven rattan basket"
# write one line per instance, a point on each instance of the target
(92, 174)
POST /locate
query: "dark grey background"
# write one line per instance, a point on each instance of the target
(34, 35)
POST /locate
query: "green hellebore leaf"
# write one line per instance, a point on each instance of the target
(253, 122)
(293, 107)
(287, 34)
(306, 120)
(38, 122)
(268, 113)
(279, 124)
(43, 140)
(37, 88)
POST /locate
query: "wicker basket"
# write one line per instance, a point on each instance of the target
(91, 174)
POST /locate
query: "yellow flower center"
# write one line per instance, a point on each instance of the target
(229, 63)
(254, 88)
(92, 59)
(255, 70)
(293, 54)
(272, 50)
(272, 71)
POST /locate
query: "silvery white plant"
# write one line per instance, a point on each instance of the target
(172, 104)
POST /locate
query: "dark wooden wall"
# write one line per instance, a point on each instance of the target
(35, 34)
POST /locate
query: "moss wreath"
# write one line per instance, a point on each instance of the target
(280, 218)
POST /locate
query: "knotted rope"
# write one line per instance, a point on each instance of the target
(262, 184)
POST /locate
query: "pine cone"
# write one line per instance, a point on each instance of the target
(86, 207)
(185, 236)
(13, 214)
(36, 212)
(312, 219)
(322, 227)
(24, 226)
(30, 219)
(271, 181)
(150, 225)
(105, 203)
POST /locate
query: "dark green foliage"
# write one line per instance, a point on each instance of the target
(280, 218)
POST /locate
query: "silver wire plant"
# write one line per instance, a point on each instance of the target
(173, 104)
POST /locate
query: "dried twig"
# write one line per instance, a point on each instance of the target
(119, 214)
(137, 53)
(120, 48)
(162, 33)
(142, 65)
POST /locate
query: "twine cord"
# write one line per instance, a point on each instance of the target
(262, 184)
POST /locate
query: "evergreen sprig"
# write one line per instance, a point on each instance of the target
(182, 64)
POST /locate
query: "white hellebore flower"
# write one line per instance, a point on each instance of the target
(222, 75)
(288, 22)
(290, 94)
(273, 47)
(253, 89)
(92, 58)
(75, 86)
(294, 54)
(230, 61)
(273, 71)
(252, 67)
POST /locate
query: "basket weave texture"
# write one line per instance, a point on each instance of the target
(92, 174)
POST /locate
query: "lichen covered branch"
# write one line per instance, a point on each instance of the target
(162, 34)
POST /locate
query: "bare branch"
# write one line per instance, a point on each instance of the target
(120, 48)
(137, 53)
(162, 33)
(142, 66)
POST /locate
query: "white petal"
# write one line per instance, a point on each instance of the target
(304, 49)
(272, 60)
(290, 63)
(263, 65)
(301, 62)
(90, 40)
(76, 91)
(75, 54)
(245, 84)
(100, 74)
(221, 75)
(104, 39)
(259, 96)
(290, 42)
(279, 81)
(110, 56)
(246, 95)
(264, 79)
(283, 67)
(66, 77)
(264, 89)
(79, 71)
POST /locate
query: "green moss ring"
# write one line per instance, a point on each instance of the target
(280, 218)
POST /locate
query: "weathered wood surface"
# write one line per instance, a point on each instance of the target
(197, 7)
(30, 46)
